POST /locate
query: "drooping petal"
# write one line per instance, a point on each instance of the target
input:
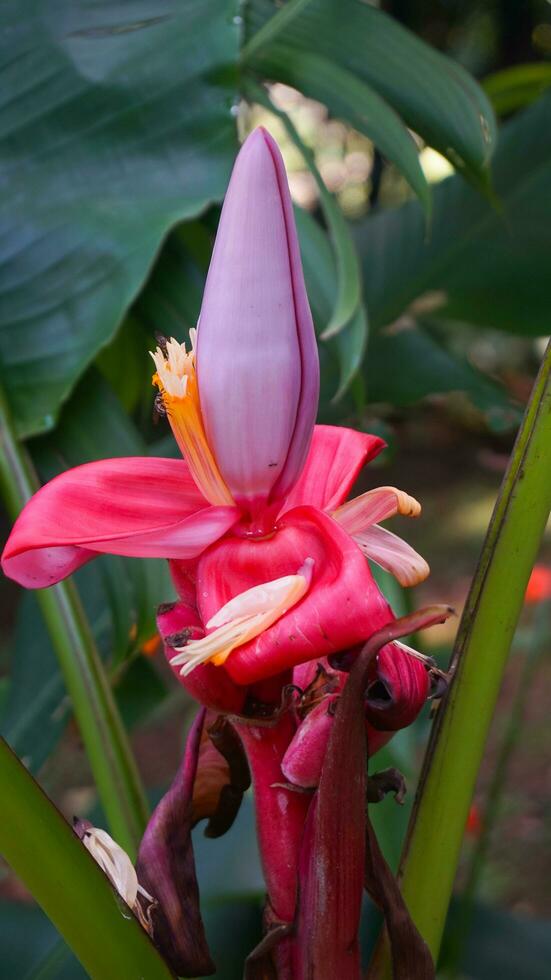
(133, 506)
(374, 506)
(393, 554)
(257, 363)
(112, 859)
(336, 457)
(342, 606)
(223, 776)
(166, 866)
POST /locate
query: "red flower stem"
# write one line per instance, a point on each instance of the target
(280, 813)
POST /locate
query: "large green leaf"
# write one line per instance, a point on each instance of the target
(491, 268)
(116, 123)
(433, 95)
(341, 355)
(409, 365)
(171, 300)
(350, 98)
(37, 707)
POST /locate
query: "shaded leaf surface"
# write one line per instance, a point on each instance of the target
(502, 945)
(115, 126)
(37, 707)
(350, 98)
(492, 268)
(407, 365)
(341, 356)
(433, 94)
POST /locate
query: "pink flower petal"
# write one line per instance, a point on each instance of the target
(374, 506)
(257, 362)
(309, 361)
(393, 554)
(303, 759)
(341, 608)
(336, 457)
(134, 506)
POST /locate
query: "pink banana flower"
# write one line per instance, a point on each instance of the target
(267, 555)
(255, 511)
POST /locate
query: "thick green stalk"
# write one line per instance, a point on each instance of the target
(539, 642)
(488, 624)
(75, 894)
(102, 731)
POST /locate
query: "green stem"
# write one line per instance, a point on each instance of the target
(487, 627)
(98, 719)
(513, 730)
(75, 894)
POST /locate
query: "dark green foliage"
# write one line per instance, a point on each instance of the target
(117, 136)
(116, 125)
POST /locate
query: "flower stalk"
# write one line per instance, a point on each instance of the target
(97, 716)
(488, 624)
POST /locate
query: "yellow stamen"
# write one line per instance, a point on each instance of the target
(243, 618)
(176, 380)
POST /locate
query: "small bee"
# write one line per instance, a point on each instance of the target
(162, 343)
(159, 410)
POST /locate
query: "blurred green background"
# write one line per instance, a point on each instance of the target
(423, 204)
